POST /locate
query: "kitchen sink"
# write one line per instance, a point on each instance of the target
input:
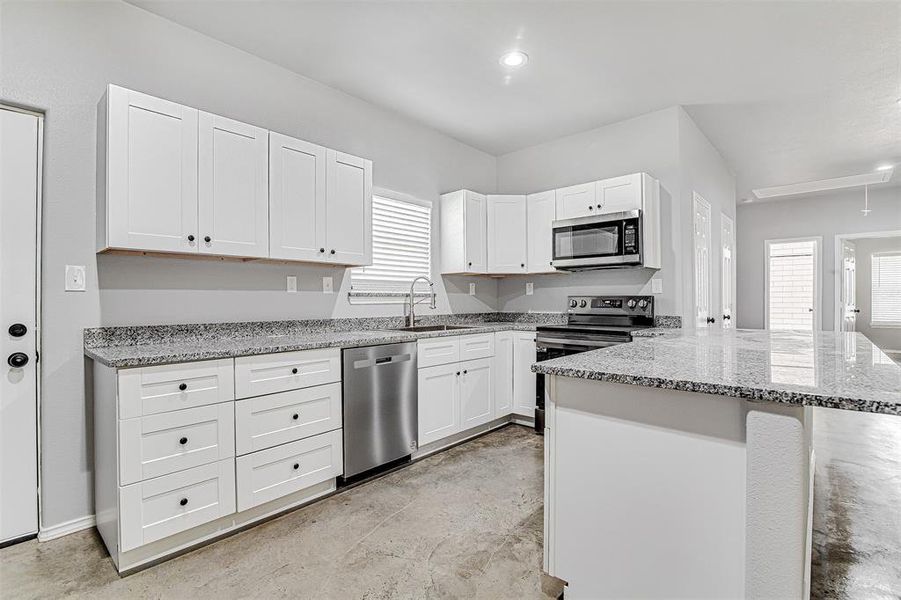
(425, 328)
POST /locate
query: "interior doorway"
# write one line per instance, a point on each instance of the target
(20, 209)
(793, 284)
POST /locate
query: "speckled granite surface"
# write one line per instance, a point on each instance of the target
(164, 344)
(844, 371)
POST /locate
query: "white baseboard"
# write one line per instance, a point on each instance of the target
(57, 531)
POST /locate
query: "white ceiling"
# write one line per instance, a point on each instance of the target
(787, 92)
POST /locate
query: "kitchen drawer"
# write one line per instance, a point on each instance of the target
(271, 373)
(160, 444)
(275, 419)
(153, 390)
(480, 345)
(276, 472)
(438, 351)
(158, 508)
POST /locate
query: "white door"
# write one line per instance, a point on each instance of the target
(576, 201)
(618, 194)
(348, 209)
(523, 377)
(541, 212)
(296, 199)
(701, 238)
(20, 174)
(507, 247)
(439, 402)
(233, 187)
(727, 279)
(849, 287)
(503, 373)
(792, 296)
(151, 173)
(476, 387)
(475, 229)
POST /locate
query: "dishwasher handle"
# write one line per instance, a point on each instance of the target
(385, 360)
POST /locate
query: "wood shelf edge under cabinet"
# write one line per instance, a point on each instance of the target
(221, 257)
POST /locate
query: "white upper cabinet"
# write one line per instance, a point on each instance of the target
(148, 184)
(576, 201)
(507, 247)
(619, 194)
(297, 187)
(348, 213)
(233, 194)
(541, 212)
(464, 231)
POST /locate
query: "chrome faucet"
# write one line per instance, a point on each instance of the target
(411, 318)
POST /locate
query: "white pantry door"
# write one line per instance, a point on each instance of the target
(849, 286)
(20, 175)
(701, 236)
(727, 279)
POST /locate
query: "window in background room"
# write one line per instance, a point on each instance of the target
(401, 248)
(792, 286)
(886, 290)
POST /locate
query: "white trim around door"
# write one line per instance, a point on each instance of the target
(837, 317)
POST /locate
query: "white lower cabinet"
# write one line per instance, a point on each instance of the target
(439, 402)
(270, 474)
(476, 385)
(524, 390)
(503, 373)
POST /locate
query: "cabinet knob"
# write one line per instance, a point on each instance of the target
(458, 373)
(17, 329)
(294, 371)
(333, 251)
(590, 208)
(295, 416)
(17, 360)
(522, 265)
(207, 239)
(296, 466)
(191, 238)
(599, 207)
(465, 371)
(183, 501)
(322, 249)
(183, 441)
(470, 264)
(183, 386)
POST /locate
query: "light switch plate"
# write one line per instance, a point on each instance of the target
(291, 284)
(656, 286)
(472, 289)
(327, 285)
(530, 288)
(75, 278)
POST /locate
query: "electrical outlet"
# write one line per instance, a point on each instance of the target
(327, 285)
(472, 289)
(530, 288)
(656, 286)
(291, 284)
(75, 278)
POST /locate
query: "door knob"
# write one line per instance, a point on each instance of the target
(17, 330)
(727, 317)
(857, 310)
(17, 360)
(711, 320)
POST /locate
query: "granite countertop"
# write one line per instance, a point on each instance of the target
(827, 369)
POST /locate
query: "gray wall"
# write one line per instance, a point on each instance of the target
(58, 57)
(887, 338)
(825, 215)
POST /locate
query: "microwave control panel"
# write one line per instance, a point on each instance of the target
(630, 238)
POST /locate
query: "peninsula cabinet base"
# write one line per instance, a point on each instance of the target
(656, 493)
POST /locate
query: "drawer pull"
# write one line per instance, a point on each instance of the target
(296, 466)
(183, 386)
(183, 441)
(183, 501)
(294, 371)
(295, 416)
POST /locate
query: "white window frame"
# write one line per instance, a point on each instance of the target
(873, 322)
(817, 278)
(396, 297)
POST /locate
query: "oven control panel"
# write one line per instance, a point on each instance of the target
(612, 305)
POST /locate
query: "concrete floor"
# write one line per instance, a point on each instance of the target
(467, 523)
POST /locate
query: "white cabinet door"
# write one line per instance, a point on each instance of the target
(475, 230)
(619, 194)
(297, 184)
(151, 173)
(523, 377)
(503, 373)
(507, 248)
(348, 219)
(233, 187)
(476, 387)
(541, 212)
(439, 402)
(576, 201)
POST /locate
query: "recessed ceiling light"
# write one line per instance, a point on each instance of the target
(514, 59)
(884, 167)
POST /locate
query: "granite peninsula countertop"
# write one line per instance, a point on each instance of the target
(827, 369)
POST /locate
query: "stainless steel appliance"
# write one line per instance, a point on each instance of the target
(603, 241)
(380, 406)
(592, 322)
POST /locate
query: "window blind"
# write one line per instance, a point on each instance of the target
(886, 290)
(792, 284)
(401, 248)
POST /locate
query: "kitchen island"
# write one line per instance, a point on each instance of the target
(681, 465)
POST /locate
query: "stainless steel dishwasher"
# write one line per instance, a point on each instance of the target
(380, 405)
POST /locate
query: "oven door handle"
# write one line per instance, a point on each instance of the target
(563, 344)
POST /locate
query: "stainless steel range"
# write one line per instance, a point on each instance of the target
(592, 322)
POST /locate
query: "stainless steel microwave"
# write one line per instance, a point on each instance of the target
(603, 241)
